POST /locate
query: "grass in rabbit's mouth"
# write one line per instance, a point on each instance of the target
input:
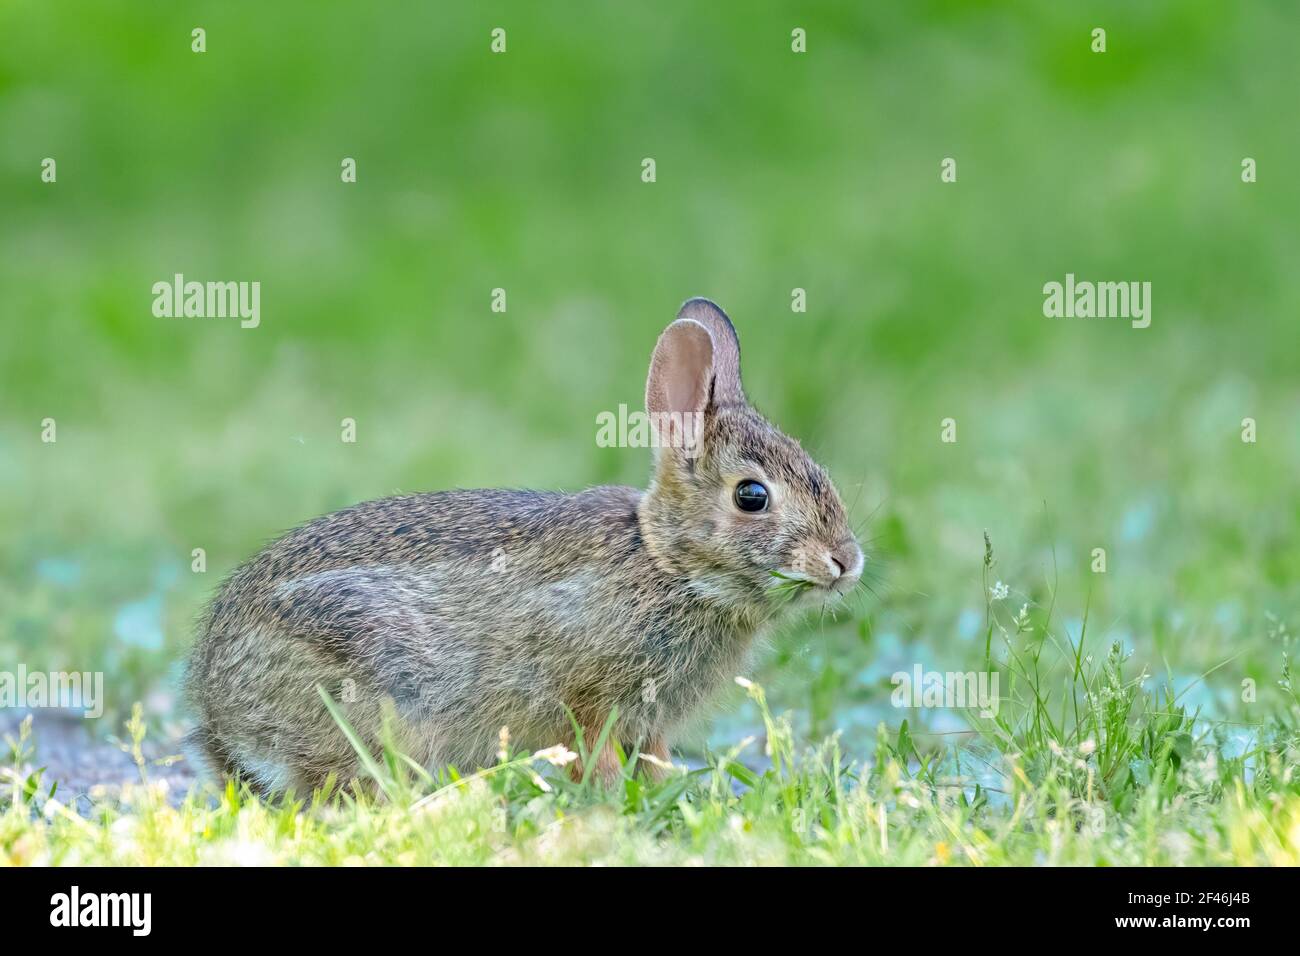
(789, 587)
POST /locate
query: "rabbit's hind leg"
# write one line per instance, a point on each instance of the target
(387, 660)
(656, 762)
(605, 767)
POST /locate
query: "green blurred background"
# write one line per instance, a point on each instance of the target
(774, 171)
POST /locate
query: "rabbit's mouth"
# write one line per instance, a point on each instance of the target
(795, 587)
(820, 572)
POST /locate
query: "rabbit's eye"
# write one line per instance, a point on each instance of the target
(751, 496)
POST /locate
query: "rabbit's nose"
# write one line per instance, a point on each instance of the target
(846, 562)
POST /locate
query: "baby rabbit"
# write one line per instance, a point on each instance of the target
(452, 614)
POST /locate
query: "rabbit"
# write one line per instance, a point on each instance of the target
(434, 620)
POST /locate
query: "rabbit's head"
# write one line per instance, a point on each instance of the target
(735, 506)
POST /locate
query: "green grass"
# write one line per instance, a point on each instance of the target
(1129, 781)
(774, 172)
(1080, 765)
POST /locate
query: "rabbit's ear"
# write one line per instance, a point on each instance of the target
(695, 366)
(726, 388)
(681, 371)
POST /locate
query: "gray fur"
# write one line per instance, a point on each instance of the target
(466, 611)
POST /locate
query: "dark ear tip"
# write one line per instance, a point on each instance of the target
(698, 307)
(710, 314)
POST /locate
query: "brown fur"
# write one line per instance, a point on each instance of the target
(464, 611)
